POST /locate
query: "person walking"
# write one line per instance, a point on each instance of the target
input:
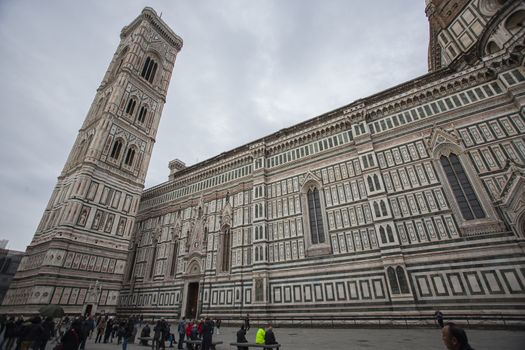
(207, 334)
(127, 334)
(181, 329)
(439, 318)
(218, 325)
(260, 336)
(454, 337)
(247, 322)
(241, 338)
(269, 336)
(48, 327)
(101, 326)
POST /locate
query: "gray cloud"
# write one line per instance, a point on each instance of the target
(247, 69)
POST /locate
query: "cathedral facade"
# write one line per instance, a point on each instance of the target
(395, 205)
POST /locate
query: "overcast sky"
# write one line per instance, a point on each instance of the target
(247, 69)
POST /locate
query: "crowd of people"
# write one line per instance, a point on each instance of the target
(72, 333)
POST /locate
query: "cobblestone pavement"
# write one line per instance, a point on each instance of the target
(345, 339)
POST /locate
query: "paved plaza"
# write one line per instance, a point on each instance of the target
(386, 339)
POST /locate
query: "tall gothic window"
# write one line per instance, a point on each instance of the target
(142, 114)
(394, 285)
(115, 151)
(401, 277)
(226, 239)
(460, 185)
(153, 259)
(132, 262)
(173, 268)
(398, 281)
(316, 219)
(149, 70)
(131, 106)
(129, 157)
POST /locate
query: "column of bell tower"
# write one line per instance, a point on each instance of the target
(78, 254)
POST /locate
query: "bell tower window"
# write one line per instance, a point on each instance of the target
(131, 106)
(142, 114)
(115, 151)
(129, 157)
(149, 69)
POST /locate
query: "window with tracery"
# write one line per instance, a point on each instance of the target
(315, 216)
(115, 151)
(130, 108)
(130, 155)
(142, 114)
(466, 198)
(397, 280)
(149, 69)
(173, 267)
(226, 247)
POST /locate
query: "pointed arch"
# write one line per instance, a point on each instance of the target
(225, 249)
(384, 212)
(392, 280)
(115, 150)
(130, 156)
(466, 198)
(382, 234)
(376, 210)
(370, 183)
(401, 277)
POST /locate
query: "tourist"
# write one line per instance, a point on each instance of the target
(454, 337)
(71, 338)
(200, 328)
(9, 335)
(207, 334)
(218, 325)
(181, 328)
(247, 322)
(48, 327)
(159, 335)
(101, 326)
(241, 338)
(84, 332)
(108, 330)
(269, 337)
(128, 333)
(439, 318)
(145, 333)
(260, 335)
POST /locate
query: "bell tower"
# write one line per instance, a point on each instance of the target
(83, 236)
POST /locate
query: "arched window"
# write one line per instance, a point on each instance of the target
(226, 238)
(393, 280)
(132, 262)
(173, 268)
(376, 209)
(129, 156)
(142, 114)
(383, 208)
(153, 259)
(382, 234)
(370, 184)
(149, 69)
(316, 219)
(376, 182)
(466, 198)
(131, 106)
(390, 234)
(401, 277)
(115, 151)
